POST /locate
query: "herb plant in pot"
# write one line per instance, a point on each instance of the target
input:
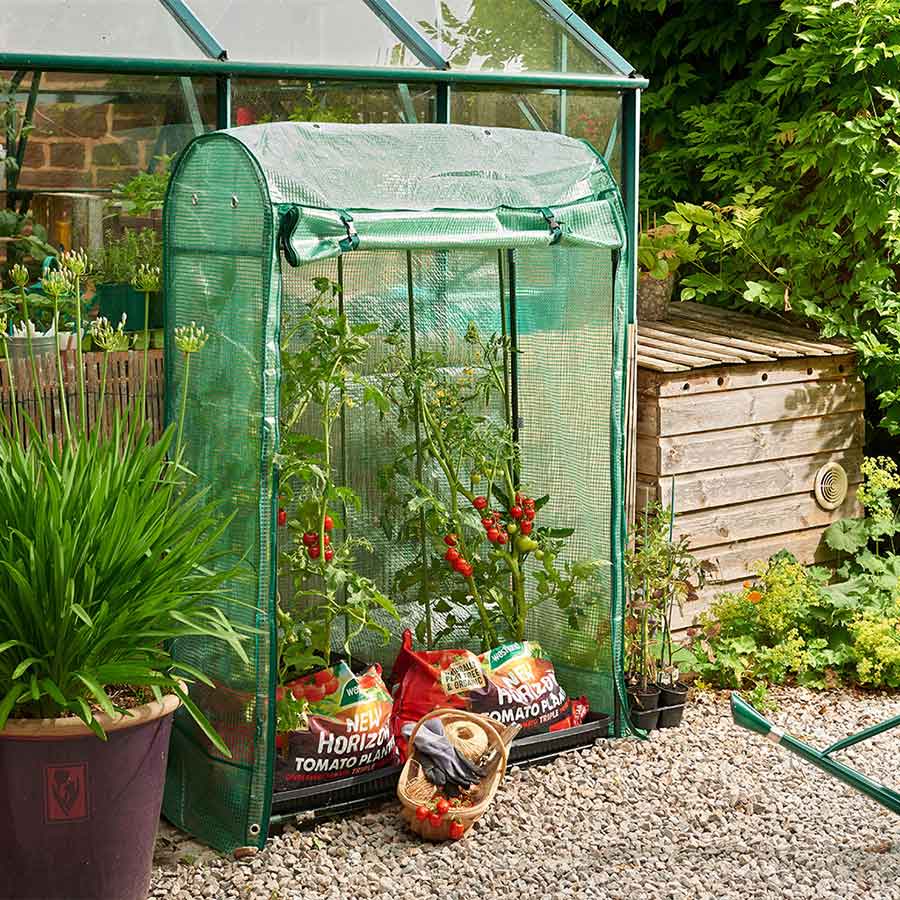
(661, 251)
(116, 269)
(105, 555)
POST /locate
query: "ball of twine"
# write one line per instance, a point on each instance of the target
(470, 739)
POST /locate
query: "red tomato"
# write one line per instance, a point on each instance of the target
(456, 830)
(309, 538)
(314, 694)
(330, 687)
(492, 535)
(313, 551)
(435, 818)
(517, 512)
(450, 540)
(452, 555)
(502, 537)
(480, 503)
(329, 523)
(422, 813)
(488, 523)
(529, 514)
(459, 564)
(466, 570)
(442, 806)
(282, 518)
(329, 555)
(321, 676)
(326, 540)
(526, 528)
(279, 693)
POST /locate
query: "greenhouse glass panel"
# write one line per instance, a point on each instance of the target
(314, 32)
(590, 115)
(269, 100)
(115, 28)
(499, 35)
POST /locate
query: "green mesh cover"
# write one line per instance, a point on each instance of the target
(502, 227)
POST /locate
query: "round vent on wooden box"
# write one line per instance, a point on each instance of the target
(831, 485)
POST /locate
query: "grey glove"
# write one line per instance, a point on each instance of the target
(442, 764)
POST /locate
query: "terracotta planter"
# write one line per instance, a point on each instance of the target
(78, 816)
(653, 296)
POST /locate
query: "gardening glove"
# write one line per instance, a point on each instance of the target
(441, 759)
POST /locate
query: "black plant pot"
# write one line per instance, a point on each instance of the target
(643, 701)
(672, 694)
(669, 716)
(646, 719)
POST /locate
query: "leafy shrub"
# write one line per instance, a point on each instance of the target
(812, 625)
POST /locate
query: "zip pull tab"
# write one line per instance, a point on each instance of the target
(553, 223)
(290, 216)
(351, 242)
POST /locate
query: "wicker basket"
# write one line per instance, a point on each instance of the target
(415, 790)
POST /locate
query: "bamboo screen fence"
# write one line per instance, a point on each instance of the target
(123, 387)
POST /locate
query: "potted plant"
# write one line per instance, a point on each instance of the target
(661, 251)
(116, 268)
(105, 561)
(663, 575)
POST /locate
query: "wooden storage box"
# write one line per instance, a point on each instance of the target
(734, 419)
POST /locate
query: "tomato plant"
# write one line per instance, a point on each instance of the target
(471, 500)
(320, 358)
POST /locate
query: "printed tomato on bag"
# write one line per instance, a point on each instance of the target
(346, 729)
(514, 684)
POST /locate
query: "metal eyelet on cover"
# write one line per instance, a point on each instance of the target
(254, 829)
(194, 199)
(234, 201)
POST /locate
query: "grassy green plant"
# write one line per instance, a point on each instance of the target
(106, 554)
(120, 259)
(103, 560)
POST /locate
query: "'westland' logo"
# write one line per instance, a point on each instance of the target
(501, 654)
(65, 793)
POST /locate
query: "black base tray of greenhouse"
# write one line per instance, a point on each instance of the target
(347, 794)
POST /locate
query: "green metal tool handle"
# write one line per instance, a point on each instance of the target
(747, 717)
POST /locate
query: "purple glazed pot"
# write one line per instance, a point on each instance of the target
(78, 816)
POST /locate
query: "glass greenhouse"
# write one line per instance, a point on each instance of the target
(544, 250)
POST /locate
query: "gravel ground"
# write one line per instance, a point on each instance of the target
(704, 811)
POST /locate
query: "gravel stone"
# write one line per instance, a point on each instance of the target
(707, 811)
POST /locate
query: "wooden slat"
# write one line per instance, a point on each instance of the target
(740, 560)
(669, 343)
(759, 329)
(726, 378)
(748, 350)
(781, 327)
(755, 443)
(753, 481)
(750, 406)
(649, 362)
(742, 521)
(123, 386)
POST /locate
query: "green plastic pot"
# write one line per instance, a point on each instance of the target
(115, 299)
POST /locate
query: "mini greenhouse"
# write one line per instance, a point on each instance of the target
(433, 234)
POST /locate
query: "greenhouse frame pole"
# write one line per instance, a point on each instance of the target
(130, 66)
(631, 126)
(223, 102)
